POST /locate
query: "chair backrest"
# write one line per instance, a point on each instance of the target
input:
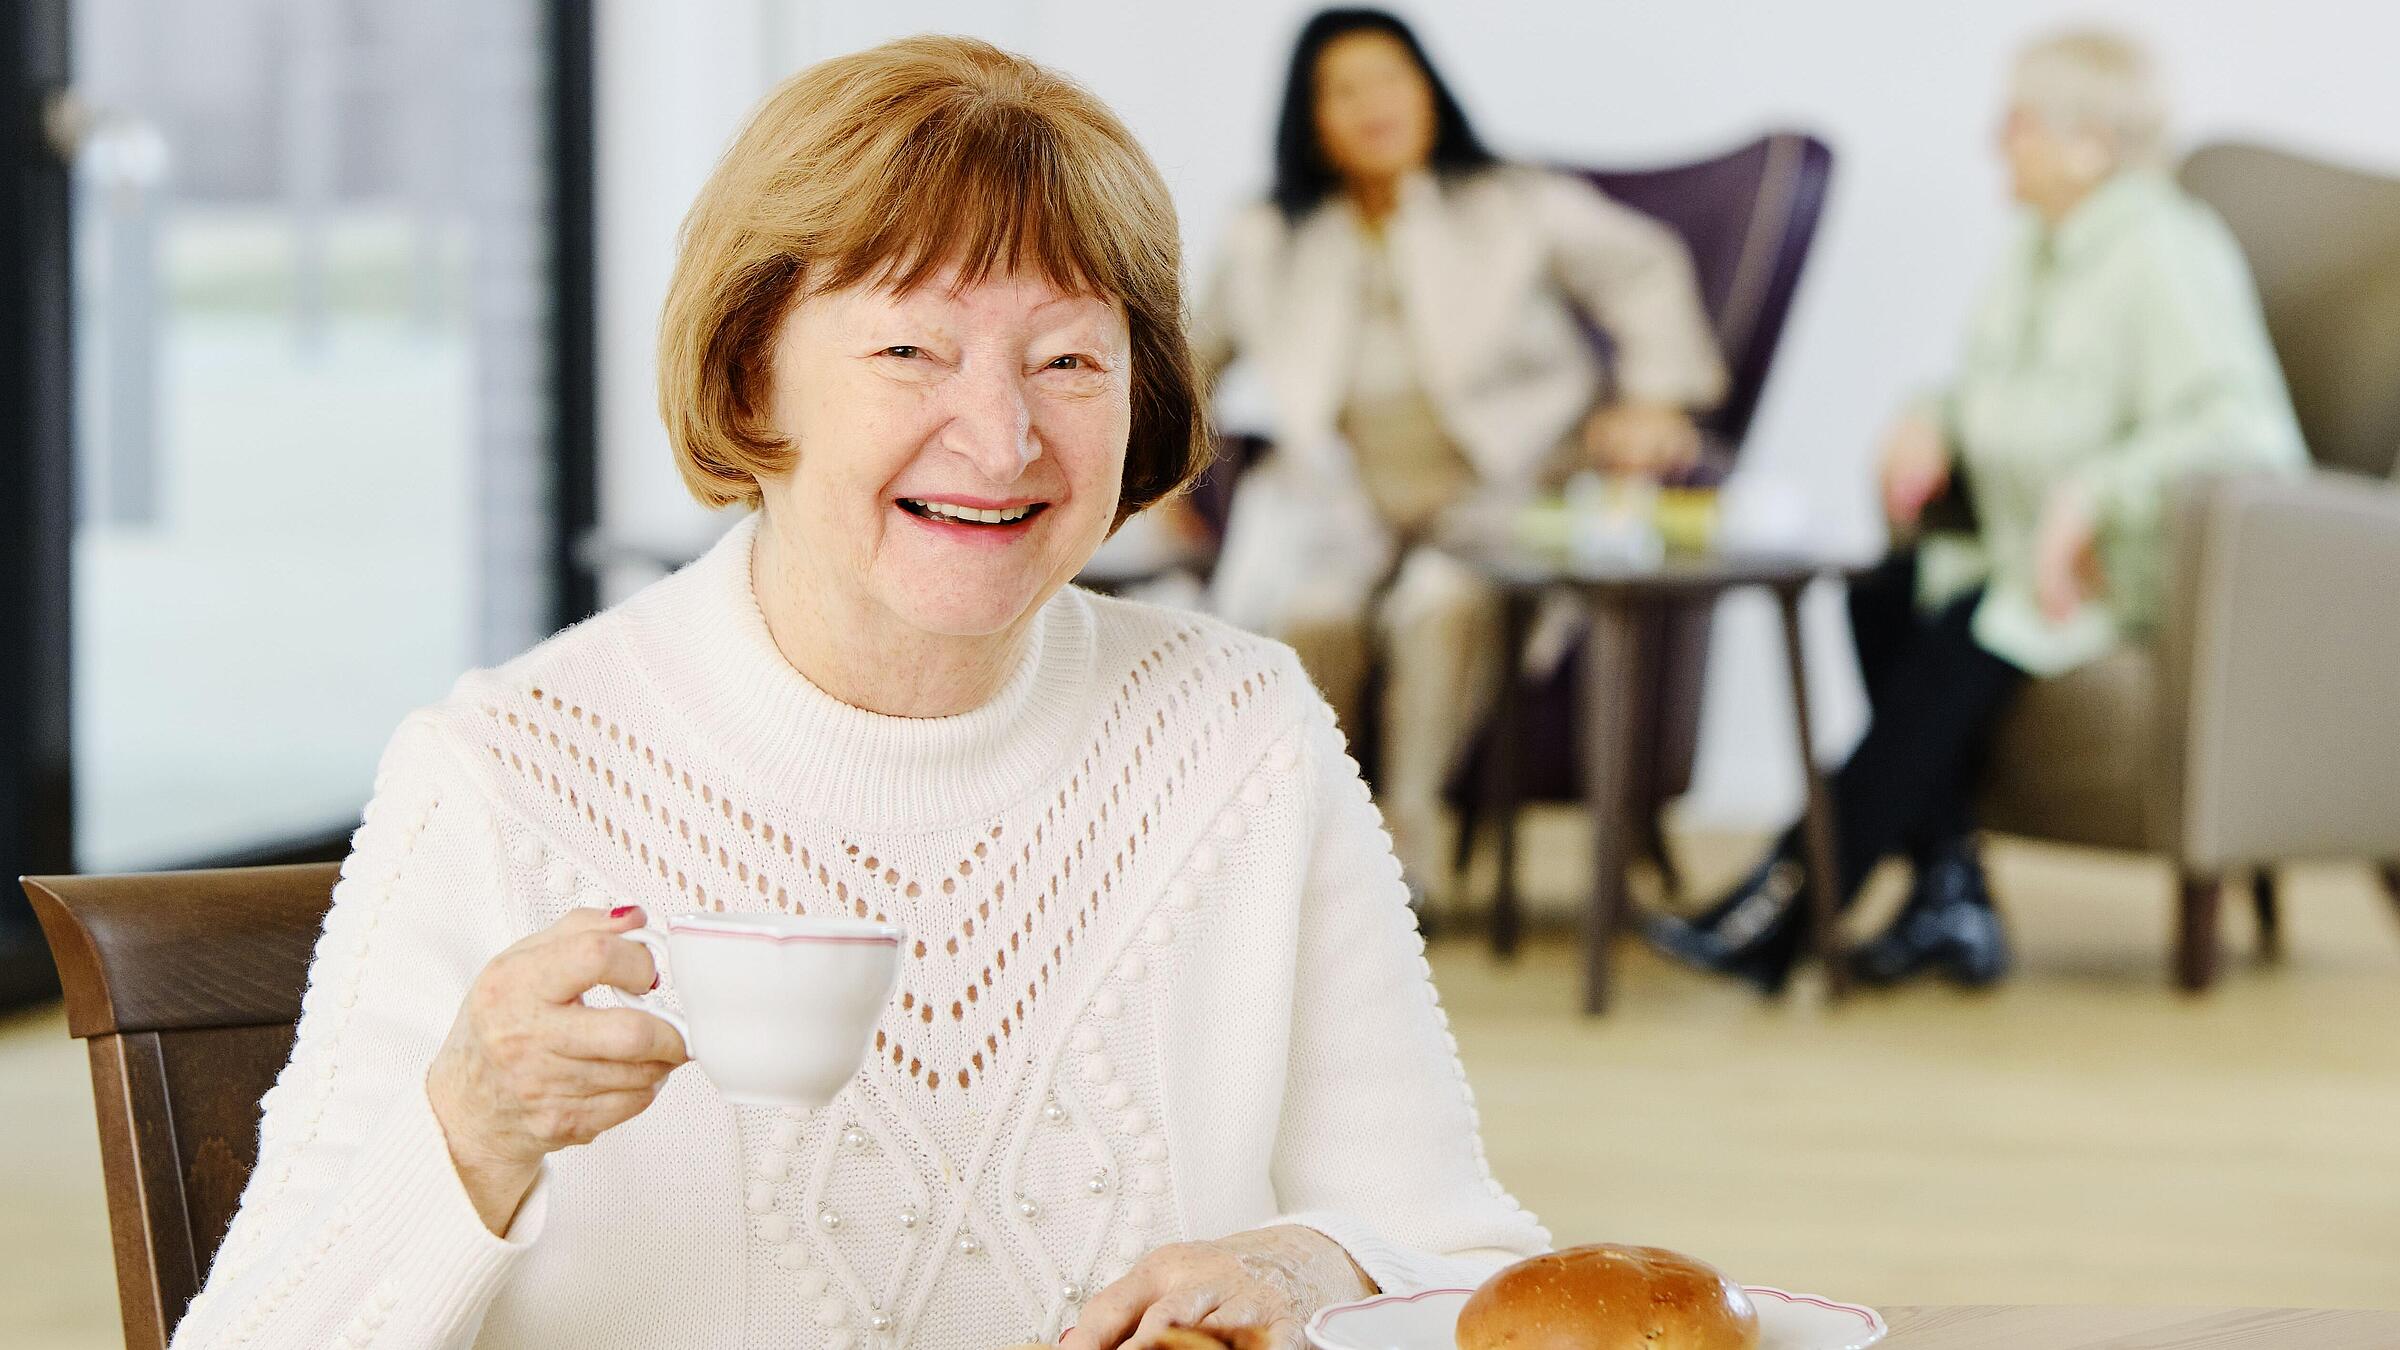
(2324, 247)
(185, 988)
(1749, 217)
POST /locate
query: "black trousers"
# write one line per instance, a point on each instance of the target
(1933, 696)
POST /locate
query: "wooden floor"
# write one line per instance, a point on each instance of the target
(2084, 1135)
(57, 1286)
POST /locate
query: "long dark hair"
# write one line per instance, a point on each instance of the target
(1304, 178)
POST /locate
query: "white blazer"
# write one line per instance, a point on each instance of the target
(1492, 271)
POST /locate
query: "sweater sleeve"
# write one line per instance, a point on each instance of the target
(1379, 1147)
(1633, 277)
(354, 1226)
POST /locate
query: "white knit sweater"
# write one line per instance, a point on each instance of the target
(1160, 983)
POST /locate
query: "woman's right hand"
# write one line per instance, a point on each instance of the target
(1916, 469)
(1649, 439)
(527, 1069)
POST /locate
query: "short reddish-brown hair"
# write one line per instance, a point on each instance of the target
(885, 167)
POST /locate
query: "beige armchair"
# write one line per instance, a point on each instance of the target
(2262, 725)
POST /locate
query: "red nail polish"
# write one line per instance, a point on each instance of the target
(620, 911)
(654, 984)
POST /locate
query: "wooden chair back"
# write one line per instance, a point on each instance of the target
(185, 988)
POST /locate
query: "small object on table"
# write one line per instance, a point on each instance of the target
(1687, 518)
(1599, 520)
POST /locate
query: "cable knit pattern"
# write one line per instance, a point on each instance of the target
(1160, 982)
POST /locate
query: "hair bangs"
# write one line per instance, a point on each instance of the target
(979, 192)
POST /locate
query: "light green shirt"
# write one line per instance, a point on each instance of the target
(2119, 351)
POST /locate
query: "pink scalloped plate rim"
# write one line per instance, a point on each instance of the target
(1872, 1318)
(1870, 1321)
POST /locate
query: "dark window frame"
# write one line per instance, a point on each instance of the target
(37, 516)
(575, 313)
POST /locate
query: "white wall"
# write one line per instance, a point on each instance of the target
(1905, 91)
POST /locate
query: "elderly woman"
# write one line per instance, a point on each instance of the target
(1164, 1049)
(1418, 310)
(2120, 348)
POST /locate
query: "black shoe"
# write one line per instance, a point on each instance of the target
(1753, 934)
(1948, 924)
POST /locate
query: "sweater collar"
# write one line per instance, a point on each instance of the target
(2131, 195)
(703, 640)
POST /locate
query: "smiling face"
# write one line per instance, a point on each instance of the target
(1374, 107)
(957, 456)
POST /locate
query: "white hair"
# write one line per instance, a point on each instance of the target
(2097, 83)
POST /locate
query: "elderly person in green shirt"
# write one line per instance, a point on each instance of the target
(2119, 348)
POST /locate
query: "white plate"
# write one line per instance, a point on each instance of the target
(1429, 1321)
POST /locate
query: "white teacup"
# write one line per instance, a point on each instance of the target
(777, 1008)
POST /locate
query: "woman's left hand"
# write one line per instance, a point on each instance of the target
(1270, 1278)
(2066, 554)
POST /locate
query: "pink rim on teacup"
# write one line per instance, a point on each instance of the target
(782, 928)
(778, 929)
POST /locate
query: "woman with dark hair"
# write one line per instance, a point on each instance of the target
(1417, 307)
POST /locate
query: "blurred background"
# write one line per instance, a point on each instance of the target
(326, 375)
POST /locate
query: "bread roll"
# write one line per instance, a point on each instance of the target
(1607, 1297)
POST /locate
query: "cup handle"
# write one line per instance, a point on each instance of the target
(657, 943)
